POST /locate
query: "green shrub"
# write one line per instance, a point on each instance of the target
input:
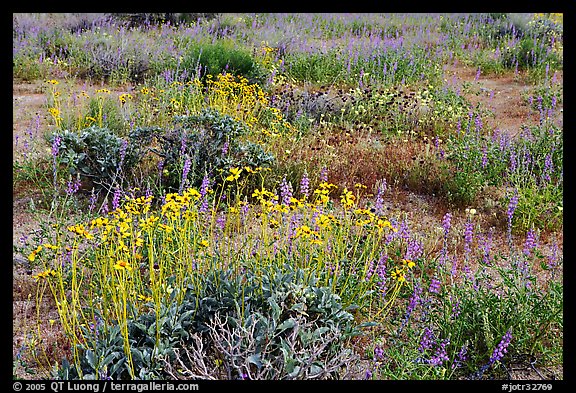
(212, 142)
(98, 155)
(223, 56)
(261, 325)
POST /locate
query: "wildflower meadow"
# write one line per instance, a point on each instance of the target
(269, 196)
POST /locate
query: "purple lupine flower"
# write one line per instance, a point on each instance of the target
(285, 191)
(123, 150)
(185, 171)
(379, 205)
(378, 353)
(92, 201)
(469, 124)
(454, 267)
(477, 74)
(73, 187)
(434, 286)
(502, 348)
(203, 194)
(404, 232)
(305, 185)
(548, 168)
(415, 299)
(504, 142)
(552, 260)
(530, 243)
(461, 356)
(324, 175)
(427, 340)
(468, 235)
(510, 213)
(478, 123)
(456, 309)
(56, 145)
(183, 145)
(368, 374)
(513, 161)
(512, 206)
(381, 271)
(414, 250)
(440, 356)
(486, 246)
(370, 270)
(161, 167)
(244, 212)
(540, 109)
(446, 226)
(116, 198)
(524, 268)
(467, 271)
(484, 157)
(225, 148)
(221, 221)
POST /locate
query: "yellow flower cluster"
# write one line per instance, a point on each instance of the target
(123, 98)
(138, 206)
(399, 274)
(234, 174)
(122, 265)
(322, 193)
(175, 203)
(45, 274)
(348, 198)
(306, 232)
(80, 230)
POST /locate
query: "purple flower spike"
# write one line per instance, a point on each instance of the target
(434, 286)
(502, 348)
(305, 185)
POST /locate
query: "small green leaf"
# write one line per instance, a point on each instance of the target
(287, 324)
(91, 359)
(256, 360)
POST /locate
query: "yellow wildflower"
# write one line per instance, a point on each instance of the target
(409, 263)
(347, 198)
(121, 265)
(234, 174)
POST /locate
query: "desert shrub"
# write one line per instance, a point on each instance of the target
(265, 325)
(210, 142)
(98, 155)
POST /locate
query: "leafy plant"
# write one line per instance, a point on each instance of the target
(98, 155)
(267, 325)
(212, 143)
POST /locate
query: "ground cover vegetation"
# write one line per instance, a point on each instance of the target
(213, 197)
